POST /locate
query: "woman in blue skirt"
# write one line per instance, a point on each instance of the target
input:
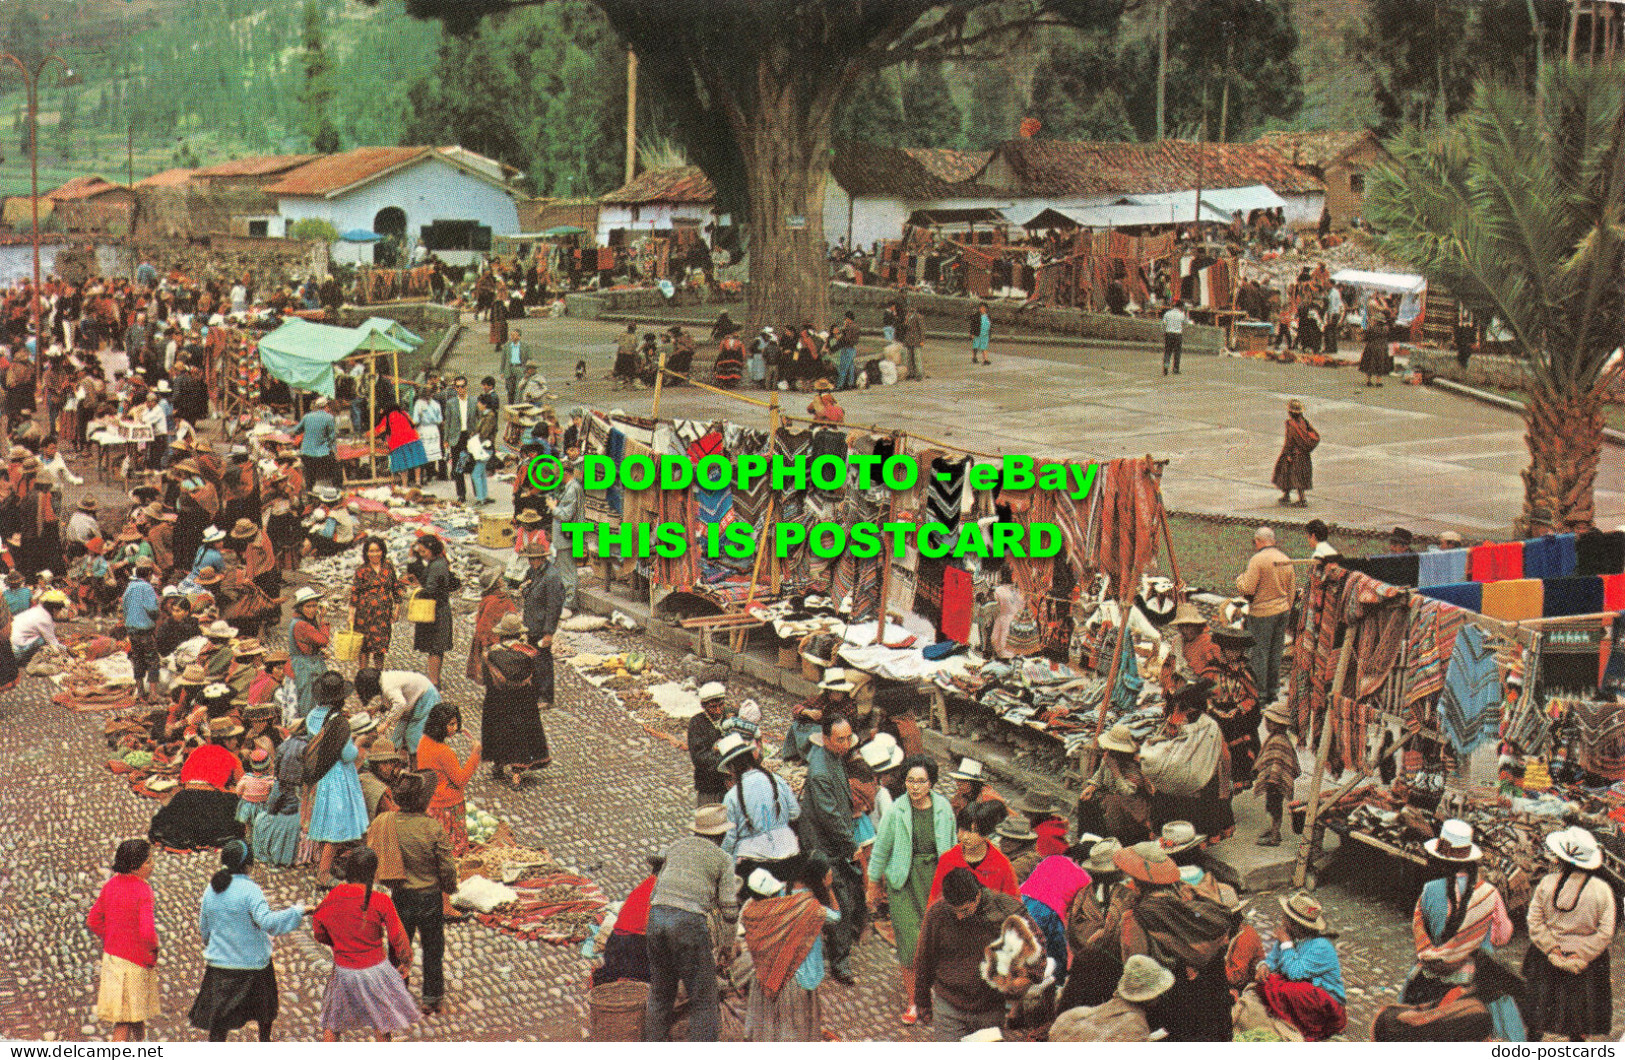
(406, 452)
(338, 812)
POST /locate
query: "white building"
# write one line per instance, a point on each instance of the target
(401, 191)
(657, 200)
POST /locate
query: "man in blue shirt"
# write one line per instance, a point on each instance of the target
(140, 609)
(318, 438)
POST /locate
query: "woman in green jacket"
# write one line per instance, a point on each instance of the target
(915, 832)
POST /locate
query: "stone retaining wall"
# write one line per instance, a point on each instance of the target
(942, 313)
(415, 316)
(1483, 369)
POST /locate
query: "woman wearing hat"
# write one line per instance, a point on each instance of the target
(1294, 469)
(784, 935)
(239, 981)
(1095, 962)
(762, 809)
(1122, 1016)
(1459, 920)
(277, 830)
(1156, 916)
(203, 811)
(1116, 799)
(1189, 773)
(308, 637)
(496, 603)
(824, 408)
(912, 837)
(374, 595)
(338, 810)
(511, 712)
(1234, 702)
(1301, 979)
(1571, 925)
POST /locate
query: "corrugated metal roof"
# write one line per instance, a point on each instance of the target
(255, 166)
(679, 184)
(1062, 167)
(330, 174)
(87, 187)
(169, 178)
(1318, 149)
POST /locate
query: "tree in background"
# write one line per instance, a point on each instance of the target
(1074, 95)
(1252, 44)
(316, 93)
(314, 228)
(992, 116)
(872, 113)
(928, 107)
(67, 120)
(1516, 208)
(753, 86)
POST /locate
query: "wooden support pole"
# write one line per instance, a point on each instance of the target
(1574, 28)
(762, 540)
(1314, 832)
(885, 558)
(660, 379)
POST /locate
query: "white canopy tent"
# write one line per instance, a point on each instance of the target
(1412, 289)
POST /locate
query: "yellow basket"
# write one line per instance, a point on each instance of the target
(420, 608)
(347, 645)
(496, 531)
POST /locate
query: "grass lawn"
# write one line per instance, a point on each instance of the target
(1613, 413)
(1210, 554)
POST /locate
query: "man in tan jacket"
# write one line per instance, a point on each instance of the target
(1268, 584)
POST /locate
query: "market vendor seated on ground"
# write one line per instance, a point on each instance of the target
(332, 527)
(807, 717)
(35, 628)
(1301, 977)
(203, 812)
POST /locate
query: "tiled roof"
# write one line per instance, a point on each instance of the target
(330, 174)
(82, 188)
(679, 184)
(869, 169)
(169, 178)
(1062, 167)
(950, 165)
(255, 166)
(1316, 149)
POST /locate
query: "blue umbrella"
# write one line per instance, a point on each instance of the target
(360, 235)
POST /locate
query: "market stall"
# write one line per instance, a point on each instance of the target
(1470, 695)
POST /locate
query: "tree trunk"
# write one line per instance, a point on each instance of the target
(1564, 436)
(786, 148)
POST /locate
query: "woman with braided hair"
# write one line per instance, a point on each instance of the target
(761, 807)
(372, 955)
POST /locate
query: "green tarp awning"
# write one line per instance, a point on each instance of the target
(302, 354)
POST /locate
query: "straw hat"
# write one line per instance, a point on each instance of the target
(711, 820)
(509, 627)
(87, 503)
(1178, 837)
(1455, 843)
(1303, 909)
(219, 631)
(1279, 713)
(537, 550)
(1037, 804)
(1295, 406)
(1102, 857)
(823, 386)
(259, 712)
(273, 657)
(194, 676)
(207, 576)
(224, 728)
(248, 646)
(213, 534)
(1143, 980)
(1017, 830)
(730, 747)
(1576, 846)
(882, 753)
(530, 516)
(383, 750)
(835, 681)
(245, 530)
(361, 724)
(969, 769)
(304, 596)
(1147, 862)
(1119, 738)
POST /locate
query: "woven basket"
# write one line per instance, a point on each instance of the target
(616, 1011)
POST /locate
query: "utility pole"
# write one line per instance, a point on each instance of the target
(631, 115)
(1162, 65)
(31, 79)
(1224, 99)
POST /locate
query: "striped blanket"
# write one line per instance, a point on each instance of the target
(1484, 911)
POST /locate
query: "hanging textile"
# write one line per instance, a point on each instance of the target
(1613, 592)
(614, 449)
(1570, 663)
(1514, 600)
(1551, 556)
(1314, 648)
(1125, 541)
(1496, 563)
(1596, 552)
(1571, 596)
(688, 432)
(793, 445)
(714, 505)
(1447, 567)
(1469, 708)
(679, 572)
(1381, 612)
(1469, 596)
(749, 504)
(1597, 736)
(1395, 569)
(945, 498)
(957, 604)
(1430, 641)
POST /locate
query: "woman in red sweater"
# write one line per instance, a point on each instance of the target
(372, 955)
(406, 452)
(123, 919)
(976, 822)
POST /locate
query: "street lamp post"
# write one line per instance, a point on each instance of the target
(31, 83)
